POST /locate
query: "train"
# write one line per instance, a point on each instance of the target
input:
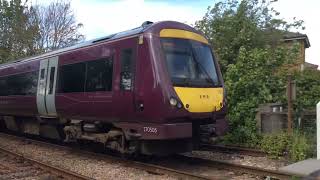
(156, 89)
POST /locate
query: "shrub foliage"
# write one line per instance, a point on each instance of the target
(295, 146)
(246, 37)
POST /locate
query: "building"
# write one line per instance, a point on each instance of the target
(303, 42)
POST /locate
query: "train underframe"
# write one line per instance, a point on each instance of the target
(125, 138)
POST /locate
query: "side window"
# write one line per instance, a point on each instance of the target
(30, 83)
(51, 80)
(99, 75)
(42, 74)
(13, 85)
(3, 86)
(127, 69)
(20, 84)
(72, 78)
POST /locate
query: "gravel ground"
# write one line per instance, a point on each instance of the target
(261, 162)
(79, 163)
(16, 168)
(103, 169)
(214, 173)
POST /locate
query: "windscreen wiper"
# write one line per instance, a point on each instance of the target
(209, 79)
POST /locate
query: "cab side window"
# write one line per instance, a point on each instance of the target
(99, 75)
(127, 69)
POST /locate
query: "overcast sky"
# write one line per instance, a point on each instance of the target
(103, 17)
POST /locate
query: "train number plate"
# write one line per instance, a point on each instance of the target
(150, 129)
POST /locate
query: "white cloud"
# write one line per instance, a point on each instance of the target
(101, 19)
(307, 10)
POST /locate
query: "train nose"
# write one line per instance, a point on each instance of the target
(200, 100)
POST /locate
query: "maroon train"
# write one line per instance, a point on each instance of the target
(154, 90)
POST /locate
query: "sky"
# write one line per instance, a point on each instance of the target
(104, 17)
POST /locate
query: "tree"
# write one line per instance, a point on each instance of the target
(57, 26)
(308, 88)
(29, 30)
(17, 31)
(246, 37)
(231, 25)
(251, 81)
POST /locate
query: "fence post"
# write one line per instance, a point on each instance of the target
(318, 130)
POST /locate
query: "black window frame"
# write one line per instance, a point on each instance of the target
(51, 79)
(62, 78)
(26, 84)
(108, 84)
(187, 82)
(85, 72)
(131, 71)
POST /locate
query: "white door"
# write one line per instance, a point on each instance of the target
(46, 87)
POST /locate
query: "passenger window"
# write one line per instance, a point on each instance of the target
(99, 75)
(3, 86)
(127, 69)
(42, 74)
(31, 83)
(19, 84)
(52, 71)
(72, 78)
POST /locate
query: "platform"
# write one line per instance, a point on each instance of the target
(303, 168)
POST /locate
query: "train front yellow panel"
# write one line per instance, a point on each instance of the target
(200, 100)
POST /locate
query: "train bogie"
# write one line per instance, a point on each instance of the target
(144, 90)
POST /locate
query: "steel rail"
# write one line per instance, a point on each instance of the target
(149, 167)
(232, 149)
(159, 169)
(238, 167)
(52, 169)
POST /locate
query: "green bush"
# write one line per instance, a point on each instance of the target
(275, 144)
(296, 146)
(247, 40)
(242, 136)
(299, 148)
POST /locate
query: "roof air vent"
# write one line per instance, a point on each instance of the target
(146, 24)
(103, 38)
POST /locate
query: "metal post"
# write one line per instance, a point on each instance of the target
(318, 130)
(289, 93)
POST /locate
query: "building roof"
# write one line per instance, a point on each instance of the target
(311, 66)
(289, 36)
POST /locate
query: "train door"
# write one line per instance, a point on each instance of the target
(127, 77)
(46, 87)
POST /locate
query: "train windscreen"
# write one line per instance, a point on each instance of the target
(190, 63)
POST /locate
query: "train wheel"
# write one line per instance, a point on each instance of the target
(117, 143)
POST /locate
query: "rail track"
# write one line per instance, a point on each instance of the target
(233, 149)
(151, 168)
(22, 167)
(261, 172)
(160, 169)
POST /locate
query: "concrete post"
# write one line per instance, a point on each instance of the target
(318, 130)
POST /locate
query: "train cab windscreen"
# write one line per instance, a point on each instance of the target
(190, 63)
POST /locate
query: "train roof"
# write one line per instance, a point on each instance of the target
(147, 26)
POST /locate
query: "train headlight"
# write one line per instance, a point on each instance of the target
(173, 101)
